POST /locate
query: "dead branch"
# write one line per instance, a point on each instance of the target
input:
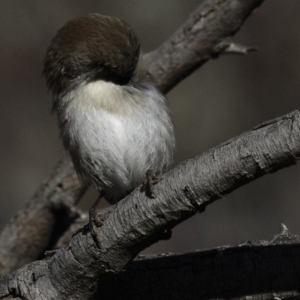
(199, 39)
(258, 269)
(47, 213)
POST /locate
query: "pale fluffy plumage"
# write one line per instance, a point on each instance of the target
(113, 121)
(115, 133)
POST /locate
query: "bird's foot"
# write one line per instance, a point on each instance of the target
(95, 220)
(148, 186)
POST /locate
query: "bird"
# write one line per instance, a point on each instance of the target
(114, 122)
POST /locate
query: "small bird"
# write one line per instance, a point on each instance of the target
(113, 121)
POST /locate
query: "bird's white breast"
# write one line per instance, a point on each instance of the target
(116, 133)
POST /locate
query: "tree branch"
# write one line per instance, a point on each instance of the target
(137, 221)
(195, 42)
(199, 39)
(258, 269)
(46, 215)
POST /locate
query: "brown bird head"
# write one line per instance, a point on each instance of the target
(91, 48)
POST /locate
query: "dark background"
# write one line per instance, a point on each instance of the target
(221, 100)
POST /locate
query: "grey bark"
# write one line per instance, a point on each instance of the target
(206, 34)
(43, 219)
(203, 36)
(256, 269)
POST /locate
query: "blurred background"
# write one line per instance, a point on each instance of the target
(223, 99)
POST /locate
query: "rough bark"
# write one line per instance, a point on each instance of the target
(137, 221)
(49, 211)
(256, 269)
(203, 36)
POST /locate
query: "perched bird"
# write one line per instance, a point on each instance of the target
(113, 120)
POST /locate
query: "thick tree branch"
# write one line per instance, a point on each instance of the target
(47, 213)
(196, 41)
(137, 221)
(258, 269)
(199, 39)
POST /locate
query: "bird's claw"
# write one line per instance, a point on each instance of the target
(150, 180)
(95, 221)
